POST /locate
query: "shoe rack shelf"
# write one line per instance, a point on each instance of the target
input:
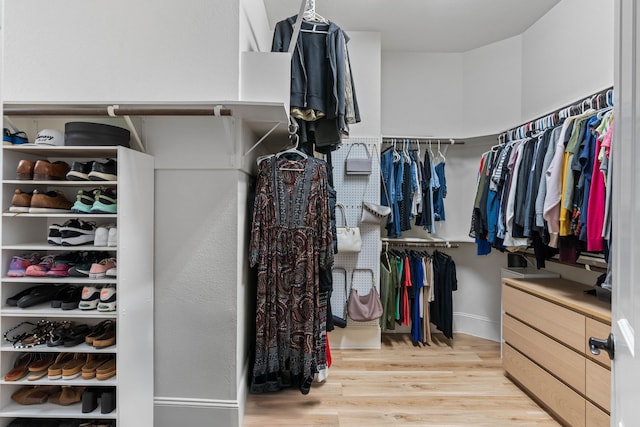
(22, 233)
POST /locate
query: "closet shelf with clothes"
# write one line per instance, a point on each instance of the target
(414, 178)
(547, 184)
(416, 290)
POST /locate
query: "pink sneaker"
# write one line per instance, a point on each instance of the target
(19, 263)
(40, 269)
(99, 270)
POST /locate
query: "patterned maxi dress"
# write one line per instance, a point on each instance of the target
(290, 241)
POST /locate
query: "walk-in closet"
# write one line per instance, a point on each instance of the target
(332, 213)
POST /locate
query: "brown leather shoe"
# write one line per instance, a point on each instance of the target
(25, 169)
(20, 202)
(51, 201)
(43, 170)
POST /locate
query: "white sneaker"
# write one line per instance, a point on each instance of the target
(113, 236)
(90, 298)
(102, 236)
(107, 299)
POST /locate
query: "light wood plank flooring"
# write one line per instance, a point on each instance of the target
(451, 383)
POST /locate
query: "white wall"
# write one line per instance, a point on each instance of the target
(121, 51)
(255, 34)
(422, 94)
(567, 55)
(492, 87)
(364, 54)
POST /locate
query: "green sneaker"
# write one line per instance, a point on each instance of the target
(106, 201)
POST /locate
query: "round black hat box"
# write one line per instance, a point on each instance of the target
(85, 133)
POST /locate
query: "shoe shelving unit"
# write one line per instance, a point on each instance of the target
(26, 233)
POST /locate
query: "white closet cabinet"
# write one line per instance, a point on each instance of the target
(26, 233)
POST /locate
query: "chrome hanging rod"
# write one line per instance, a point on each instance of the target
(420, 140)
(600, 99)
(418, 243)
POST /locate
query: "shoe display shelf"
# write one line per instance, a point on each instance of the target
(23, 233)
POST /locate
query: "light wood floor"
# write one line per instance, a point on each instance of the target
(451, 383)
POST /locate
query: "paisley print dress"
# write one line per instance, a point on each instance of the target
(291, 240)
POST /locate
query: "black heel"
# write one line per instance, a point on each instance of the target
(89, 400)
(108, 401)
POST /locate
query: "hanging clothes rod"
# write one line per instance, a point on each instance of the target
(114, 110)
(600, 99)
(420, 140)
(419, 243)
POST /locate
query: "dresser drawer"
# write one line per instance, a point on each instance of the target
(596, 417)
(561, 361)
(599, 385)
(597, 330)
(555, 395)
(563, 324)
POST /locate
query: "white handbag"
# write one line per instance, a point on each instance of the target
(349, 239)
(373, 213)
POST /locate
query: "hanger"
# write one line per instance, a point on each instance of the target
(311, 16)
(396, 155)
(293, 135)
(405, 151)
(440, 154)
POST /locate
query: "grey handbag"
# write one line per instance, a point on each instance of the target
(363, 308)
(357, 165)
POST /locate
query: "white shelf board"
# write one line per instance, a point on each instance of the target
(60, 280)
(80, 348)
(111, 382)
(38, 246)
(92, 184)
(44, 310)
(68, 215)
(70, 151)
(49, 410)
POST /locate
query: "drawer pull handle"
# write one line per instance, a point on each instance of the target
(597, 344)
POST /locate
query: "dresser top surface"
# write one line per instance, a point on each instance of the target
(567, 293)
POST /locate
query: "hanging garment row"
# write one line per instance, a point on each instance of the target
(550, 190)
(416, 187)
(416, 290)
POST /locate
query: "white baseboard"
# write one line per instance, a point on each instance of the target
(184, 402)
(477, 326)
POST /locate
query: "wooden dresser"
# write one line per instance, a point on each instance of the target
(546, 325)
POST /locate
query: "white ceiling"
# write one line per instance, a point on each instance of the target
(425, 25)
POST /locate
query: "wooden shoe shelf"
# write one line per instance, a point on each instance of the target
(22, 233)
